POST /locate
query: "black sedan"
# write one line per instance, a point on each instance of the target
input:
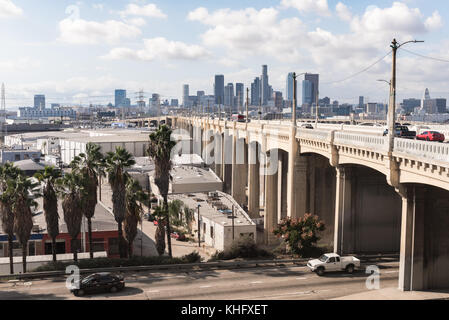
(100, 282)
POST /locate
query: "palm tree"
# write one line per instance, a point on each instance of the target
(174, 210)
(160, 215)
(160, 151)
(7, 172)
(135, 196)
(116, 163)
(49, 177)
(91, 166)
(72, 205)
(23, 192)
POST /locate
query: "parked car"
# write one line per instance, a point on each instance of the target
(431, 136)
(177, 236)
(99, 282)
(402, 132)
(155, 222)
(306, 126)
(333, 262)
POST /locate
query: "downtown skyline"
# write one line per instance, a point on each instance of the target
(90, 48)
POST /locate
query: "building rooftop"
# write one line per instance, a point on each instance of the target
(217, 208)
(190, 174)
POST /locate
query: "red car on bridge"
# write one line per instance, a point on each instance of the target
(431, 136)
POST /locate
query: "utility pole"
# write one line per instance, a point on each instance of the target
(391, 120)
(294, 101)
(199, 227)
(316, 113)
(247, 104)
(233, 222)
(260, 109)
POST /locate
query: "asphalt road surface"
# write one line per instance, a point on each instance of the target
(270, 283)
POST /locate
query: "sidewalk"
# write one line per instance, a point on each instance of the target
(396, 294)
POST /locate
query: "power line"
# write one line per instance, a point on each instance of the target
(361, 71)
(426, 57)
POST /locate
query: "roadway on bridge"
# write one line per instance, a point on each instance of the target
(270, 283)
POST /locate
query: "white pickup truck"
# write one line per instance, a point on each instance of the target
(333, 262)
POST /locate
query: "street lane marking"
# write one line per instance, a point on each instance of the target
(255, 282)
(392, 271)
(205, 286)
(153, 291)
(302, 278)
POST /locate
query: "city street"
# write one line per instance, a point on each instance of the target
(271, 283)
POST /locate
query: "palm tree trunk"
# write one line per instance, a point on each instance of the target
(53, 248)
(120, 240)
(89, 231)
(10, 250)
(130, 249)
(24, 257)
(74, 250)
(168, 228)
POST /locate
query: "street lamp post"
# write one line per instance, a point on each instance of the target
(247, 104)
(199, 227)
(294, 97)
(392, 107)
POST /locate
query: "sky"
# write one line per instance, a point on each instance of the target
(79, 52)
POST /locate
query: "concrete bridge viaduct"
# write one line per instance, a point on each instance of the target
(372, 199)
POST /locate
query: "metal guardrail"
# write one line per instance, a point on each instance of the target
(201, 265)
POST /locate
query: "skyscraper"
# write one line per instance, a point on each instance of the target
(39, 101)
(229, 95)
(315, 80)
(239, 94)
(265, 90)
(307, 92)
(255, 92)
(361, 102)
(289, 87)
(120, 97)
(185, 96)
(219, 89)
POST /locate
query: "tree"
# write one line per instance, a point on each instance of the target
(160, 151)
(174, 210)
(23, 192)
(7, 172)
(188, 218)
(116, 163)
(135, 196)
(48, 178)
(160, 215)
(91, 165)
(300, 234)
(72, 204)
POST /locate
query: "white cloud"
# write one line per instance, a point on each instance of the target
(9, 9)
(319, 7)
(160, 48)
(343, 12)
(79, 31)
(244, 32)
(434, 22)
(149, 10)
(19, 64)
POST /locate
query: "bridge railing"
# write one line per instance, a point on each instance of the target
(422, 149)
(313, 134)
(366, 141)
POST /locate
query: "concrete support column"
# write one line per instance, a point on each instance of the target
(218, 153)
(209, 148)
(411, 265)
(239, 171)
(271, 199)
(227, 161)
(282, 185)
(253, 180)
(343, 218)
(297, 186)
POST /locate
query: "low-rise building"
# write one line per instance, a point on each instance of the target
(222, 220)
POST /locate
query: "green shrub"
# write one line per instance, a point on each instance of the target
(110, 262)
(245, 248)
